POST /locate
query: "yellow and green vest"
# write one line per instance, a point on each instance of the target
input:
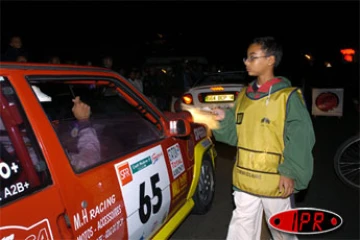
(260, 128)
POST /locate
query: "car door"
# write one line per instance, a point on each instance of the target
(29, 196)
(128, 192)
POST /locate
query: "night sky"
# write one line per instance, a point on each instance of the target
(219, 31)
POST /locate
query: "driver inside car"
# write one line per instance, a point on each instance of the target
(88, 146)
(80, 141)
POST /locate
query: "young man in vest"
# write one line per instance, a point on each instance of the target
(273, 132)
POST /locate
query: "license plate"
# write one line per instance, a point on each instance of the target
(220, 98)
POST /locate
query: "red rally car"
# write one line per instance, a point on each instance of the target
(130, 172)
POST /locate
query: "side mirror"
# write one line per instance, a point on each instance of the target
(179, 128)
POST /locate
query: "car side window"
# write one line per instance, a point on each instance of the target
(22, 167)
(119, 123)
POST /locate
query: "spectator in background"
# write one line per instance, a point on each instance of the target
(122, 72)
(107, 62)
(135, 79)
(54, 60)
(14, 50)
(150, 84)
(139, 80)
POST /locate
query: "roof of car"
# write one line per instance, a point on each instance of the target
(46, 66)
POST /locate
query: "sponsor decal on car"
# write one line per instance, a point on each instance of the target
(146, 194)
(40, 230)
(200, 132)
(105, 215)
(179, 185)
(125, 174)
(206, 143)
(176, 160)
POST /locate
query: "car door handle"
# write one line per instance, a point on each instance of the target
(64, 226)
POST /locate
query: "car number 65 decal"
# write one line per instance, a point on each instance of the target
(145, 187)
(145, 200)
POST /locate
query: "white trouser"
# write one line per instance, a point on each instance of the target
(246, 218)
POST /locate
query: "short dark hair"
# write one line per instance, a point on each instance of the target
(271, 47)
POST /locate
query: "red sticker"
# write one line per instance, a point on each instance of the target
(125, 174)
(40, 230)
(327, 101)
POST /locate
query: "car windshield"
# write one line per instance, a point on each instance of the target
(222, 78)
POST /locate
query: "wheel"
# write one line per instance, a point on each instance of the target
(204, 194)
(347, 162)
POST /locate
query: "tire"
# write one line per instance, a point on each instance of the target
(347, 162)
(205, 191)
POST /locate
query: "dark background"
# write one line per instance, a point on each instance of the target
(219, 31)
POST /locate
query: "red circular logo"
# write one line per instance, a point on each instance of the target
(327, 101)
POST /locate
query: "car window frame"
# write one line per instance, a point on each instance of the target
(133, 94)
(35, 145)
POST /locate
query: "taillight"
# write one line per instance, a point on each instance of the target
(187, 98)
